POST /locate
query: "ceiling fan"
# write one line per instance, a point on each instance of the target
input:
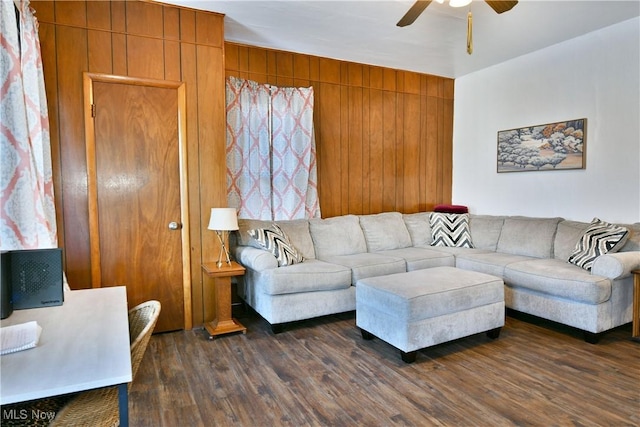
(500, 6)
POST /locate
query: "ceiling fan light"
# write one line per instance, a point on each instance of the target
(459, 3)
(440, 1)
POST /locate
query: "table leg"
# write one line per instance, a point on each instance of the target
(224, 322)
(123, 404)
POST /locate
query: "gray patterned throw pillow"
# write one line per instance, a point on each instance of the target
(600, 238)
(276, 241)
(450, 230)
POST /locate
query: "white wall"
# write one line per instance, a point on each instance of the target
(596, 76)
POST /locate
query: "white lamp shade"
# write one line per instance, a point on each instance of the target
(223, 219)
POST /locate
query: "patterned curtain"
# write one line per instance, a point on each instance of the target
(27, 214)
(271, 154)
(294, 173)
(248, 149)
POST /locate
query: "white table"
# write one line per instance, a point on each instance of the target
(84, 345)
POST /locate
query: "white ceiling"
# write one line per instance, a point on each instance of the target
(366, 32)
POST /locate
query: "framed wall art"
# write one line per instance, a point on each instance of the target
(552, 146)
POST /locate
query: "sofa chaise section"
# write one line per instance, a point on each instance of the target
(302, 291)
(280, 295)
(554, 289)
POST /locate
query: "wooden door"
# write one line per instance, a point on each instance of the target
(138, 237)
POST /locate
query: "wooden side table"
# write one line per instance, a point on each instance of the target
(635, 333)
(224, 323)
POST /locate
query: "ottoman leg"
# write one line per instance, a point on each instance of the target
(409, 357)
(366, 335)
(494, 333)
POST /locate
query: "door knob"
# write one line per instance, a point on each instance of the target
(173, 225)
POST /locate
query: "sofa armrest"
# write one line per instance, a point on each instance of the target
(255, 259)
(616, 265)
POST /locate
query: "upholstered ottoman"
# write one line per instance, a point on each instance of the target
(422, 308)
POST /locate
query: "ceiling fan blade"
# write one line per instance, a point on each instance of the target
(501, 6)
(415, 11)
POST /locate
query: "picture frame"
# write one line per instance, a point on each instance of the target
(546, 147)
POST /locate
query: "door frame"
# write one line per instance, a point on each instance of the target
(92, 177)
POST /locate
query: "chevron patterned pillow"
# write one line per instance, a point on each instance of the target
(600, 238)
(276, 241)
(450, 230)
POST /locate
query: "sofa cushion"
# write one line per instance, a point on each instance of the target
(385, 231)
(560, 279)
(309, 276)
(421, 258)
(600, 238)
(297, 230)
(419, 228)
(340, 235)
(633, 242)
(459, 251)
(277, 242)
(487, 262)
(369, 264)
(485, 231)
(528, 236)
(567, 235)
(450, 230)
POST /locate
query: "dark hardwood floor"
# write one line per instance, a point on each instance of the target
(322, 373)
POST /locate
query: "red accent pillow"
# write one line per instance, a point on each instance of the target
(455, 209)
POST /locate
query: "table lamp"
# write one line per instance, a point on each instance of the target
(222, 221)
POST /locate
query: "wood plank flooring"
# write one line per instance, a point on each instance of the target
(322, 373)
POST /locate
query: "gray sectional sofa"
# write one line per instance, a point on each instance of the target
(529, 254)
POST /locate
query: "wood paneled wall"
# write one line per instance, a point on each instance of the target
(135, 39)
(384, 136)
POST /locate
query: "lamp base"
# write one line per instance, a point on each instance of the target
(225, 264)
(223, 250)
